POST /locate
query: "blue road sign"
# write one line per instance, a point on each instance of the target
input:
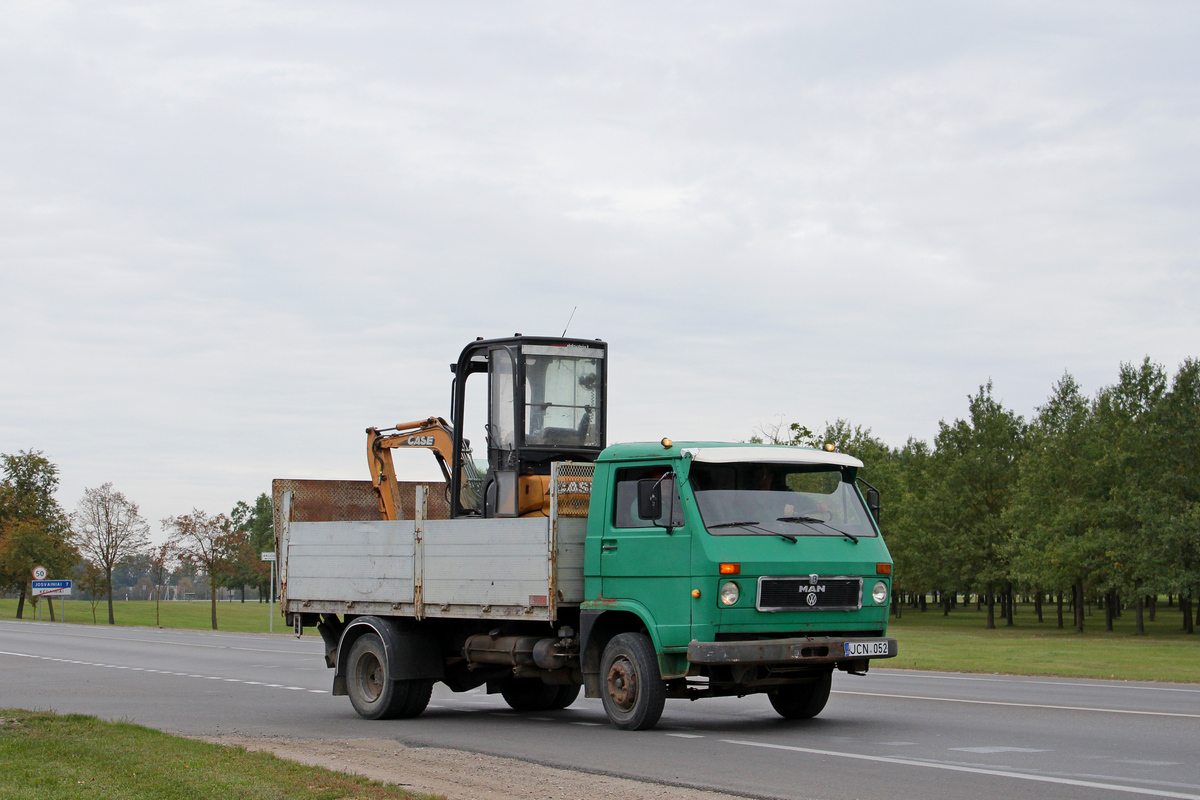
(51, 587)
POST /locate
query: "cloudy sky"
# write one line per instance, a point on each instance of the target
(232, 235)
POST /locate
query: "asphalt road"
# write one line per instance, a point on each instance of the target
(889, 734)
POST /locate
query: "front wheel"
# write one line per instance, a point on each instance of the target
(372, 693)
(633, 690)
(803, 700)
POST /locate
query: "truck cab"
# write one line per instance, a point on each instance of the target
(749, 568)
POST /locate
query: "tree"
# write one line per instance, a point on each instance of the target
(92, 583)
(258, 522)
(1174, 492)
(974, 471)
(206, 543)
(243, 562)
(33, 528)
(1060, 496)
(1130, 525)
(107, 528)
(161, 557)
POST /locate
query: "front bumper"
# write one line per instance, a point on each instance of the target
(803, 650)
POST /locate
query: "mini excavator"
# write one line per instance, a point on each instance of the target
(546, 402)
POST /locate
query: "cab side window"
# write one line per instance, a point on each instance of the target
(625, 498)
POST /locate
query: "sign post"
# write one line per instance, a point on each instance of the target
(269, 555)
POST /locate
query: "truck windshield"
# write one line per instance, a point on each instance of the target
(561, 406)
(746, 499)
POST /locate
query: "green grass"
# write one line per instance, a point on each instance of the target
(961, 643)
(51, 757)
(194, 614)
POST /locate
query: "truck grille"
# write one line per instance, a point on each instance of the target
(809, 593)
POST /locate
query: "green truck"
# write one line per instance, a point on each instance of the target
(636, 572)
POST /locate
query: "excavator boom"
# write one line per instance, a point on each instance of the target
(432, 433)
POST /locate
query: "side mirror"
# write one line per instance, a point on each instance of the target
(649, 493)
(873, 503)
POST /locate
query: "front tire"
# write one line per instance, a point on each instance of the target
(632, 688)
(372, 694)
(803, 700)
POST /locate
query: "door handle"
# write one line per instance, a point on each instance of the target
(608, 546)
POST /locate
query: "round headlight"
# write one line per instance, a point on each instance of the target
(879, 593)
(730, 592)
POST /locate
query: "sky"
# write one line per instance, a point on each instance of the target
(235, 234)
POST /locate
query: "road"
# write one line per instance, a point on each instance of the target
(889, 734)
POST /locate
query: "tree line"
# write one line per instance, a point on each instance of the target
(105, 539)
(1095, 498)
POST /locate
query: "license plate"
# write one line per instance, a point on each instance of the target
(866, 649)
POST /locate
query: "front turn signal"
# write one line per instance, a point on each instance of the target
(883, 569)
(731, 569)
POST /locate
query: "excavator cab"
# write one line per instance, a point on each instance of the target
(546, 399)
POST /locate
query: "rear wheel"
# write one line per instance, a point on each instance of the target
(530, 694)
(803, 700)
(565, 696)
(632, 689)
(372, 694)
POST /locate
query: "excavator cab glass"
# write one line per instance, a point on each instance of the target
(562, 398)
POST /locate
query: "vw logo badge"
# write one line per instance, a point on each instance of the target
(812, 598)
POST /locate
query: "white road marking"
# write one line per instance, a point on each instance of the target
(990, 750)
(975, 770)
(686, 735)
(118, 640)
(1023, 705)
(162, 672)
(1018, 679)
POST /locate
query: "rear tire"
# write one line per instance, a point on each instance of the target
(631, 685)
(565, 696)
(803, 700)
(528, 694)
(372, 694)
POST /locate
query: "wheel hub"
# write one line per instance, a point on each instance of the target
(371, 677)
(622, 683)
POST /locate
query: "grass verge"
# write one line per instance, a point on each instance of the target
(192, 614)
(960, 642)
(75, 757)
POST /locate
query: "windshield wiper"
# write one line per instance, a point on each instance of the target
(753, 524)
(815, 521)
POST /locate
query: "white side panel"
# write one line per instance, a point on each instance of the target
(351, 561)
(494, 562)
(569, 555)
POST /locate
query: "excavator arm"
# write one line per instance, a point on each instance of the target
(433, 434)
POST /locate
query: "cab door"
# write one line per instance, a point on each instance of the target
(641, 561)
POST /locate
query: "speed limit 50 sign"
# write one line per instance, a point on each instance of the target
(39, 573)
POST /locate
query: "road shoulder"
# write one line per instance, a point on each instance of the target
(457, 774)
